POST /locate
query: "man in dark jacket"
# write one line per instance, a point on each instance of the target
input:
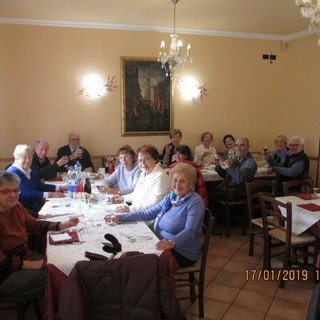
(41, 164)
(296, 164)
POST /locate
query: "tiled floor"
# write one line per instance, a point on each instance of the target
(229, 295)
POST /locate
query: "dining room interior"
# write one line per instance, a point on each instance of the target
(48, 49)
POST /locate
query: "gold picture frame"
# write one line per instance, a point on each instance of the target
(146, 97)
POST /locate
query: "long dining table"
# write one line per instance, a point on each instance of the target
(134, 236)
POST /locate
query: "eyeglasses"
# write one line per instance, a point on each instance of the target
(292, 145)
(6, 192)
(144, 160)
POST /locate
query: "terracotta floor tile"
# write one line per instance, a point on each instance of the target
(253, 301)
(221, 292)
(231, 279)
(268, 288)
(216, 262)
(239, 313)
(288, 309)
(223, 252)
(213, 309)
(270, 317)
(239, 266)
(230, 243)
(242, 255)
(295, 294)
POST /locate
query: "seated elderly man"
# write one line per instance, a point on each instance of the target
(75, 153)
(41, 164)
(296, 164)
(242, 168)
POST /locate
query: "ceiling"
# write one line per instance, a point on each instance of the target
(266, 19)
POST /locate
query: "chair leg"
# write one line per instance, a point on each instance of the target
(192, 287)
(251, 243)
(227, 221)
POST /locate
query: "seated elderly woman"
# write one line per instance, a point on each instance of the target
(178, 217)
(205, 152)
(23, 271)
(32, 190)
(123, 180)
(152, 186)
(278, 156)
(183, 155)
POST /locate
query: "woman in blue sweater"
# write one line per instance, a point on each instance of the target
(33, 191)
(178, 217)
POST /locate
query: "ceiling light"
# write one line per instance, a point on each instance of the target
(310, 11)
(174, 58)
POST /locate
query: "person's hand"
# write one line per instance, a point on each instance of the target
(109, 219)
(122, 209)
(228, 163)
(72, 222)
(269, 170)
(63, 161)
(116, 199)
(63, 189)
(165, 244)
(34, 264)
(56, 194)
(168, 149)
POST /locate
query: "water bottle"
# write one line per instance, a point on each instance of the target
(71, 182)
(78, 169)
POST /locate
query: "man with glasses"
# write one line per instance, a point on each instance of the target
(242, 168)
(296, 164)
(75, 153)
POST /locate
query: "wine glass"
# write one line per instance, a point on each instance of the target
(315, 194)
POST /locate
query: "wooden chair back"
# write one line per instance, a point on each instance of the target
(297, 186)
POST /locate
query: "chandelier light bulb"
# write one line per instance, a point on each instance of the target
(175, 57)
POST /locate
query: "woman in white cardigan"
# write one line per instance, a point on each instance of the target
(205, 152)
(153, 184)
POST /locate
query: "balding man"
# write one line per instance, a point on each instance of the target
(242, 168)
(75, 152)
(41, 164)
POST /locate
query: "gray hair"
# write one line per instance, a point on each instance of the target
(36, 144)
(186, 169)
(22, 149)
(301, 140)
(6, 177)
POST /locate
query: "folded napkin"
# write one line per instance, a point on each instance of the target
(67, 237)
(304, 196)
(309, 206)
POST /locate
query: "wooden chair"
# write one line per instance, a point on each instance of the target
(233, 205)
(254, 213)
(194, 275)
(280, 229)
(297, 186)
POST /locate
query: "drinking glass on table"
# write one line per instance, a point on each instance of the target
(315, 194)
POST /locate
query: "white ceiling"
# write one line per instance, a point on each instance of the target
(270, 19)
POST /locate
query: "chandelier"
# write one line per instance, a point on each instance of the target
(174, 58)
(311, 11)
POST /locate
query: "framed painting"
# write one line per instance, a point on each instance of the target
(146, 97)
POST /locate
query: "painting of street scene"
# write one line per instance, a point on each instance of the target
(146, 97)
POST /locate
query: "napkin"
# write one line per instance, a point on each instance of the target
(66, 237)
(309, 206)
(304, 196)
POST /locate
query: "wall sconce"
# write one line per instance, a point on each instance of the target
(93, 86)
(190, 90)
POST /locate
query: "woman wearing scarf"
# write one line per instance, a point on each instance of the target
(178, 217)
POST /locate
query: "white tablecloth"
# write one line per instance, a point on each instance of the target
(132, 236)
(302, 219)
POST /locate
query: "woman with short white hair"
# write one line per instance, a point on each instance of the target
(32, 189)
